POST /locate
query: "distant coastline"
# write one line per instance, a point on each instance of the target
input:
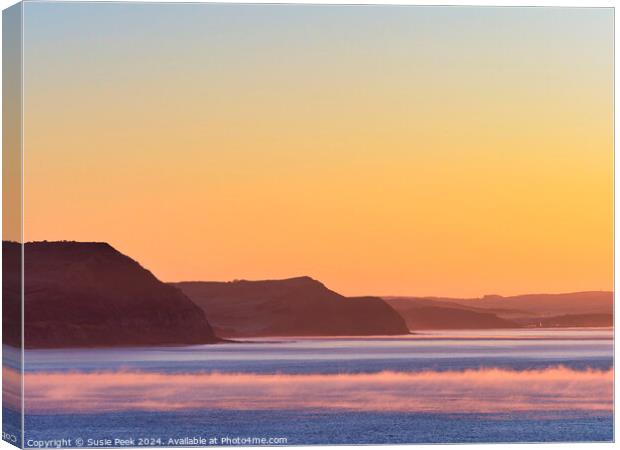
(87, 294)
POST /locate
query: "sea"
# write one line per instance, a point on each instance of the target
(525, 385)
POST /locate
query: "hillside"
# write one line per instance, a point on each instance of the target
(578, 309)
(292, 307)
(425, 316)
(589, 302)
(571, 320)
(86, 294)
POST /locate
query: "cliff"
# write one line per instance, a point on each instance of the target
(87, 294)
(292, 307)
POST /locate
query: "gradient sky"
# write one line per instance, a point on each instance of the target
(383, 150)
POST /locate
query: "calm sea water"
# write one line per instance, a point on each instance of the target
(441, 352)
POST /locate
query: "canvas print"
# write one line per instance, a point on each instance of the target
(286, 224)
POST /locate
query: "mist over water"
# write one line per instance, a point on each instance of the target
(496, 385)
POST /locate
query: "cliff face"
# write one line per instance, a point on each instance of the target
(11, 298)
(82, 294)
(293, 307)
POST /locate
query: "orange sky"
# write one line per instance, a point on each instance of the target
(382, 150)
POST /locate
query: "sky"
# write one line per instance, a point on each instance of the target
(384, 150)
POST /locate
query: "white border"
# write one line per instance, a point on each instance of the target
(541, 3)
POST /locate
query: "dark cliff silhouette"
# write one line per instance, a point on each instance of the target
(11, 298)
(86, 294)
(293, 307)
(577, 309)
(445, 318)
